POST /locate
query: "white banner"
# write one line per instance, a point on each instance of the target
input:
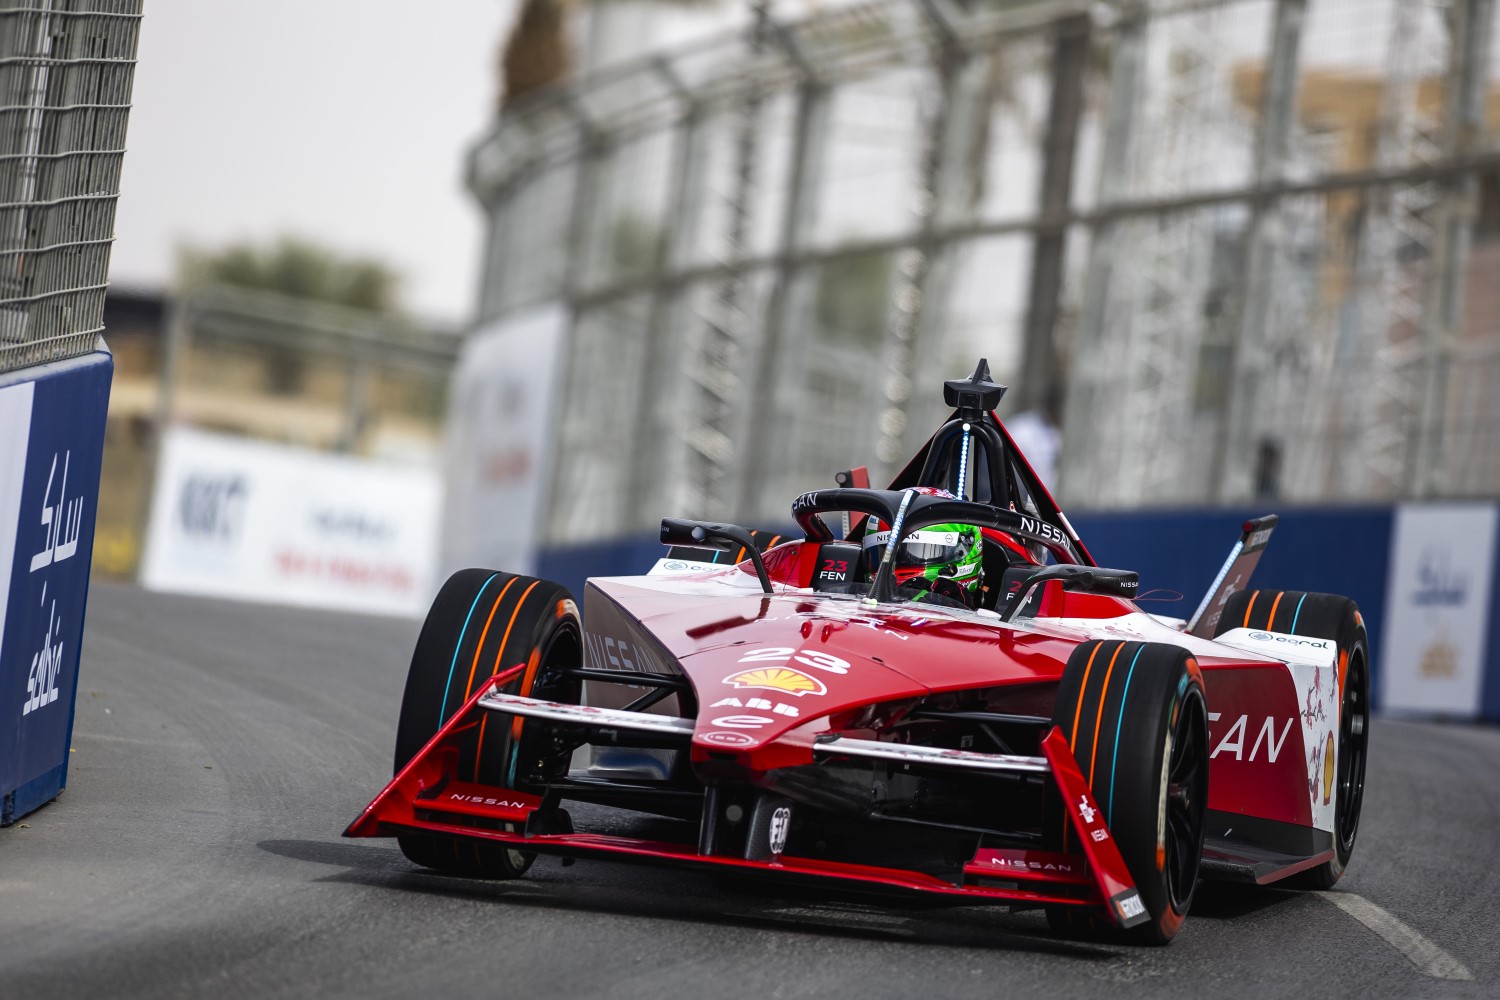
(265, 522)
(499, 433)
(1437, 608)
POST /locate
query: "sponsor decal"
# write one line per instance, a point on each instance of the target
(729, 739)
(1439, 661)
(1100, 835)
(481, 800)
(353, 524)
(1259, 538)
(606, 652)
(41, 682)
(61, 522)
(683, 566)
(1087, 810)
(781, 822)
(1131, 906)
(212, 508)
(1029, 865)
(759, 704)
(1267, 738)
(1328, 769)
(1044, 530)
(1291, 640)
(783, 679)
(806, 657)
(742, 721)
(1438, 584)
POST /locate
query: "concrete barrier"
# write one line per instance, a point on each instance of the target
(1423, 575)
(51, 443)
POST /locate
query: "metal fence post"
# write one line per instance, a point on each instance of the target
(1089, 373)
(776, 359)
(1232, 459)
(585, 188)
(1070, 49)
(1470, 23)
(925, 269)
(656, 435)
(716, 368)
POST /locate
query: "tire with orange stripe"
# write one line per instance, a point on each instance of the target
(1136, 718)
(1323, 616)
(485, 622)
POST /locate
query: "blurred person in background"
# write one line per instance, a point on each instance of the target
(1038, 433)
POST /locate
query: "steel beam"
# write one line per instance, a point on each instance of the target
(1470, 23)
(1090, 371)
(954, 152)
(1233, 463)
(1040, 368)
(775, 381)
(657, 420)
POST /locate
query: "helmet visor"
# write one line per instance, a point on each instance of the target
(928, 547)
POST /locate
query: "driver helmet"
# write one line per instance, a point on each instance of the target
(951, 551)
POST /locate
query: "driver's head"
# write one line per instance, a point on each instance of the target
(944, 551)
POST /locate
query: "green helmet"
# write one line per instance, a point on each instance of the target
(951, 551)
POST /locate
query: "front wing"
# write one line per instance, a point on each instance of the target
(426, 798)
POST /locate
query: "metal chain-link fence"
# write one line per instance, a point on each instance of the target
(1253, 240)
(66, 68)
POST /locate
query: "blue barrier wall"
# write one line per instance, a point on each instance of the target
(51, 445)
(1329, 550)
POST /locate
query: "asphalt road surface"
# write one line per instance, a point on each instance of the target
(220, 749)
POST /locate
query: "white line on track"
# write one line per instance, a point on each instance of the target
(1429, 959)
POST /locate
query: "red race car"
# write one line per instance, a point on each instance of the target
(934, 694)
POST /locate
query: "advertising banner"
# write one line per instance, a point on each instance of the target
(499, 431)
(264, 522)
(51, 445)
(1437, 603)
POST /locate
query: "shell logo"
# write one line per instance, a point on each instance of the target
(783, 679)
(1328, 770)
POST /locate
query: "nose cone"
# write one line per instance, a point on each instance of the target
(752, 694)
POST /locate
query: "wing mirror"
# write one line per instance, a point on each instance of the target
(716, 536)
(1079, 580)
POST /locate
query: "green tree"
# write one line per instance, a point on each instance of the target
(296, 268)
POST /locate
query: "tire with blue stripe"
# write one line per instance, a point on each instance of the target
(484, 622)
(1135, 716)
(1323, 616)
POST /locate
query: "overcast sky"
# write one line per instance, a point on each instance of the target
(345, 121)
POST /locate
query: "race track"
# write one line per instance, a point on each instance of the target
(220, 749)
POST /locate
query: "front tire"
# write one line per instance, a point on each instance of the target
(484, 622)
(1136, 719)
(1324, 616)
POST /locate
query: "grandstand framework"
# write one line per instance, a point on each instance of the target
(1242, 234)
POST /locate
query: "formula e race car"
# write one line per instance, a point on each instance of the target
(934, 694)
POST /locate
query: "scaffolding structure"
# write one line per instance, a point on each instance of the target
(1238, 233)
(66, 69)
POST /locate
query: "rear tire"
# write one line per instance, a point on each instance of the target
(1136, 719)
(1323, 616)
(483, 623)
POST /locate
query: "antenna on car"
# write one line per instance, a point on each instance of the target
(974, 396)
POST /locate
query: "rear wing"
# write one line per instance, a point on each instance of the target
(1234, 576)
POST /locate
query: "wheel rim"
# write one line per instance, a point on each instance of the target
(1186, 801)
(1354, 731)
(563, 641)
